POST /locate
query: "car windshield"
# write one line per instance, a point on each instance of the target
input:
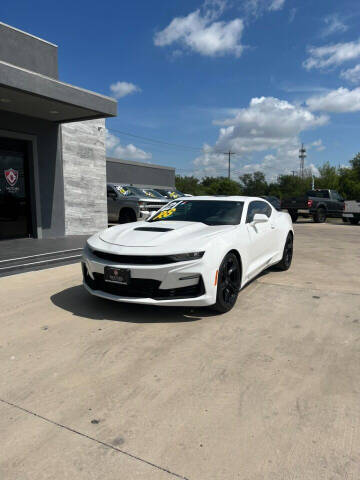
(124, 190)
(130, 190)
(210, 212)
(152, 193)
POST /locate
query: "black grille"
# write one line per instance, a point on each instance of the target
(142, 288)
(134, 259)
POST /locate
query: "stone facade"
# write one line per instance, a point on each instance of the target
(84, 169)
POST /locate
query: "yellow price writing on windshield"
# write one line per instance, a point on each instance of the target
(165, 213)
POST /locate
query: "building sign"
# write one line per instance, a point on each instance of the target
(11, 176)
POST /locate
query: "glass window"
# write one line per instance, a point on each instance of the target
(258, 206)
(210, 212)
(111, 192)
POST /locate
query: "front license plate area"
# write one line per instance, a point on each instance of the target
(117, 275)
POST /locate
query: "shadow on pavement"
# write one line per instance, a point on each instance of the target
(80, 303)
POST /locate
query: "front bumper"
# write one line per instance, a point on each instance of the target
(166, 285)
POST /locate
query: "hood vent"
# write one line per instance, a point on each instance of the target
(153, 229)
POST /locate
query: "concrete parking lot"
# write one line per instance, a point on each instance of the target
(92, 389)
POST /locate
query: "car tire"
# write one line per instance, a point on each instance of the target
(353, 221)
(294, 215)
(127, 215)
(228, 283)
(288, 251)
(320, 215)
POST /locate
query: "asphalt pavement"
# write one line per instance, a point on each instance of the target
(91, 389)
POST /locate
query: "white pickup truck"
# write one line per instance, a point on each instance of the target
(351, 213)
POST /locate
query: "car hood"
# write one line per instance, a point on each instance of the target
(177, 235)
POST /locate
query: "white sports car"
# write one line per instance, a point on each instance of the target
(197, 251)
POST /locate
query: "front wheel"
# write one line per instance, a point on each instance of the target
(320, 215)
(294, 215)
(228, 283)
(286, 260)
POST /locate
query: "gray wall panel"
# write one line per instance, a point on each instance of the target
(84, 164)
(26, 51)
(139, 174)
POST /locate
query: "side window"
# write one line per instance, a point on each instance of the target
(257, 207)
(111, 192)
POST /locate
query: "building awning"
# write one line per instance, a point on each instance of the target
(35, 95)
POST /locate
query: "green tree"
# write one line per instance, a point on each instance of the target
(188, 184)
(293, 186)
(220, 186)
(254, 184)
(329, 177)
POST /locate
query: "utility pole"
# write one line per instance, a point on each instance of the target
(293, 172)
(302, 156)
(229, 153)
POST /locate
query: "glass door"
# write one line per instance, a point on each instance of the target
(15, 212)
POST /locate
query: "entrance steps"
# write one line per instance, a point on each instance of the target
(39, 261)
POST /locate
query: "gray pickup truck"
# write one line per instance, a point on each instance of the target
(318, 204)
(126, 195)
(121, 208)
(352, 212)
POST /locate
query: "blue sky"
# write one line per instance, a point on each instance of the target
(254, 76)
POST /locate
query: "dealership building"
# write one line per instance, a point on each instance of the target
(52, 144)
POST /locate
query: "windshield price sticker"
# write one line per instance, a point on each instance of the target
(168, 210)
(165, 213)
(149, 194)
(122, 190)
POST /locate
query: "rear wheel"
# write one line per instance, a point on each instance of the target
(294, 215)
(320, 215)
(286, 260)
(229, 281)
(127, 215)
(353, 221)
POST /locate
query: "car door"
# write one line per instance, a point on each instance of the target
(263, 237)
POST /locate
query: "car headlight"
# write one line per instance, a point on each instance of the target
(182, 257)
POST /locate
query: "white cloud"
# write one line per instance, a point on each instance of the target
(352, 74)
(121, 89)
(267, 125)
(126, 152)
(258, 7)
(276, 4)
(318, 145)
(292, 14)
(338, 101)
(332, 55)
(333, 24)
(199, 32)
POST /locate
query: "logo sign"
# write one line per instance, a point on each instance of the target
(11, 176)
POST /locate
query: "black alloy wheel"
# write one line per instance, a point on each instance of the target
(229, 282)
(294, 215)
(320, 215)
(353, 221)
(286, 260)
(127, 215)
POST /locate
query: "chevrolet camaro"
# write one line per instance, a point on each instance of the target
(195, 251)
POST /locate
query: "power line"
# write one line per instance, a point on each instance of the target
(155, 141)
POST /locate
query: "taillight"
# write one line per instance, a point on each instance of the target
(309, 203)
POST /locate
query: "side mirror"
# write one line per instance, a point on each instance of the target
(260, 218)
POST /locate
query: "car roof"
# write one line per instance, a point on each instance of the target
(230, 198)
